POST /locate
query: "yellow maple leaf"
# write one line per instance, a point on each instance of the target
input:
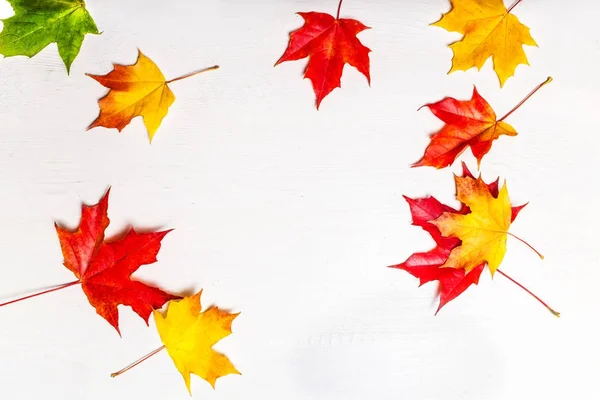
(136, 90)
(189, 334)
(490, 30)
(483, 231)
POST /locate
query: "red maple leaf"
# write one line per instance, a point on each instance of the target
(468, 123)
(104, 268)
(426, 265)
(329, 43)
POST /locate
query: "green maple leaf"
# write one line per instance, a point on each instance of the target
(37, 23)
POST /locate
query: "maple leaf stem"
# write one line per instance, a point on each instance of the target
(59, 287)
(515, 108)
(141, 360)
(194, 73)
(527, 244)
(513, 6)
(339, 9)
(556, 313)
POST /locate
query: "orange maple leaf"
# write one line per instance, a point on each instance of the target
(468, 123)
(136, 90)
(329, 43)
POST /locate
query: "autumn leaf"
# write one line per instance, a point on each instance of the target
(188, 334)
(432, 265)
(104, 268)
(329, 43)
(483, 231)
(426, 266)
(468, 123)
(136, 90)
(37, 23)
(489, 30)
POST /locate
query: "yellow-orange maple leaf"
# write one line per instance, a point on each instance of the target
(189, 334)
(136, 90)
(490, 30)
(483, 231)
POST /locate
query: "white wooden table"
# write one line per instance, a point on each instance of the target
(291, 215)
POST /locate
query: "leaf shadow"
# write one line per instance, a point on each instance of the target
(188, 291)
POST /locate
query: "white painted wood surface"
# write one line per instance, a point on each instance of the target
(290, 215)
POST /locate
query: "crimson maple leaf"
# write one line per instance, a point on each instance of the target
(426, 265)
(329, 43)
(104, 268)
